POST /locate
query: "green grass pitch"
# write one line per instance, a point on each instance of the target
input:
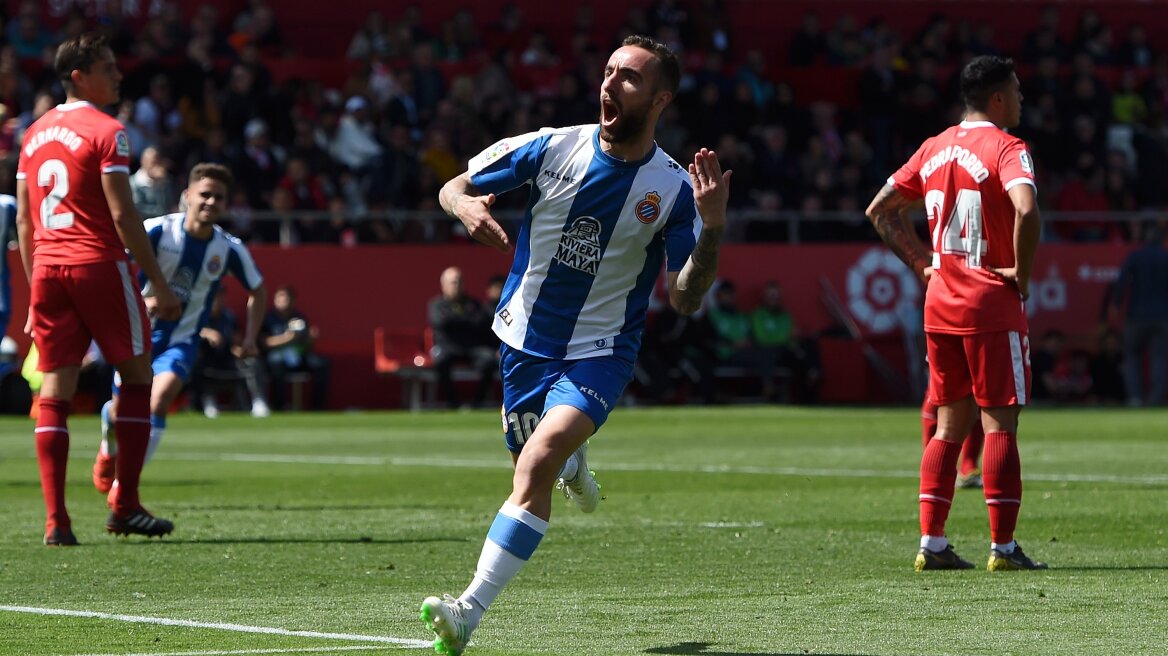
(726, 531)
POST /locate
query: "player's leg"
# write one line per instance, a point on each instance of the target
(171, 368)
(116, 317)
(1001, 375)
(52, 445)
(61, 341)
(928, 421)
(969, 471)
(164, 390)
(950, 389)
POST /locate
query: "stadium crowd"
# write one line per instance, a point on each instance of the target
(367, 155)
(429, 95)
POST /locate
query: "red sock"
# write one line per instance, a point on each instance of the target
(971, 449)
(133, 431)
(52, 445)
(1003, 484)
(938, 477)
(928, 422)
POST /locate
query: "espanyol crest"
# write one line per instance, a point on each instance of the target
(649, 208)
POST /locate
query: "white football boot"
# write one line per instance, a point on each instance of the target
(582, 488)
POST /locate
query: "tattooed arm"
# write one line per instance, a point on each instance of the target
(711, 188)
(688, 286)
(888, 214)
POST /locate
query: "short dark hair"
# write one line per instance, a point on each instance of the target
(216, 172)
(79, 54)
(983, 76)
(667, 64)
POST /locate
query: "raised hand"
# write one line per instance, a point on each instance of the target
(711, 188)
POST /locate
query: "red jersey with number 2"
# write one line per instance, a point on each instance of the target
(62, 159)
(964, 175)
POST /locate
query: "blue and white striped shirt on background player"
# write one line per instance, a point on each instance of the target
(194, 268)
(592, 241)
(7, 234)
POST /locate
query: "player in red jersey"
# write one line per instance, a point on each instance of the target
(977, 186)
(75, 220)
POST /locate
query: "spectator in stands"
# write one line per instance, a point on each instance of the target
(1072, 378)
(1107, 369)
(152, 186)
(491, 300)
(372, 38)
(456, 322)
(258, 167)
(288, 340)
(156, 115)
(27, 33)
(1135, 51)
(220, 364)
(731, 327)
(1142, 289)
(809, 45)
(678, 358)
(1044, 359)
(778, 346)
(304, 187)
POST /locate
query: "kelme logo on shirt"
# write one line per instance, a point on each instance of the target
(649, 208)
(580, 245)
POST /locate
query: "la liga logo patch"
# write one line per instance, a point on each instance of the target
(649, 208)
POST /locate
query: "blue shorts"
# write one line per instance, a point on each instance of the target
(178, 359)
(532, 385)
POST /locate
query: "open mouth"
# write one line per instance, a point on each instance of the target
(610, 112)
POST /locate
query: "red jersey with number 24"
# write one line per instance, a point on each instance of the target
(62, 159)
(963, 175)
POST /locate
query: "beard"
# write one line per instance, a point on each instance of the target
(629, 125)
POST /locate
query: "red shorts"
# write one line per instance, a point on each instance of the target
(993, 367)
(73, 304)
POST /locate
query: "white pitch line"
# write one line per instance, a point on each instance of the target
(502, 463)
(242, 628)
(243, 652)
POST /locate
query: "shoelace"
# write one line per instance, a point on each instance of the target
(458, 609)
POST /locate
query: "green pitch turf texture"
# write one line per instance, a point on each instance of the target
(727, 531)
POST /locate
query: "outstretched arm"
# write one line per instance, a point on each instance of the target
(888, 214)
(711, 194)
(463, 201)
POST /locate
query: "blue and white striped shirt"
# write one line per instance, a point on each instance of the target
(595, 234)
(194, 269)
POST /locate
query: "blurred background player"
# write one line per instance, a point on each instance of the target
(76, 219)
(609, 208)
(977, 184)
(194, 254)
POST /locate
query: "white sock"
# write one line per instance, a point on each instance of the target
(570, 468)
(157, 428)
(1006, 549)
(513, 537)
(108, 447)
(934, 543)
